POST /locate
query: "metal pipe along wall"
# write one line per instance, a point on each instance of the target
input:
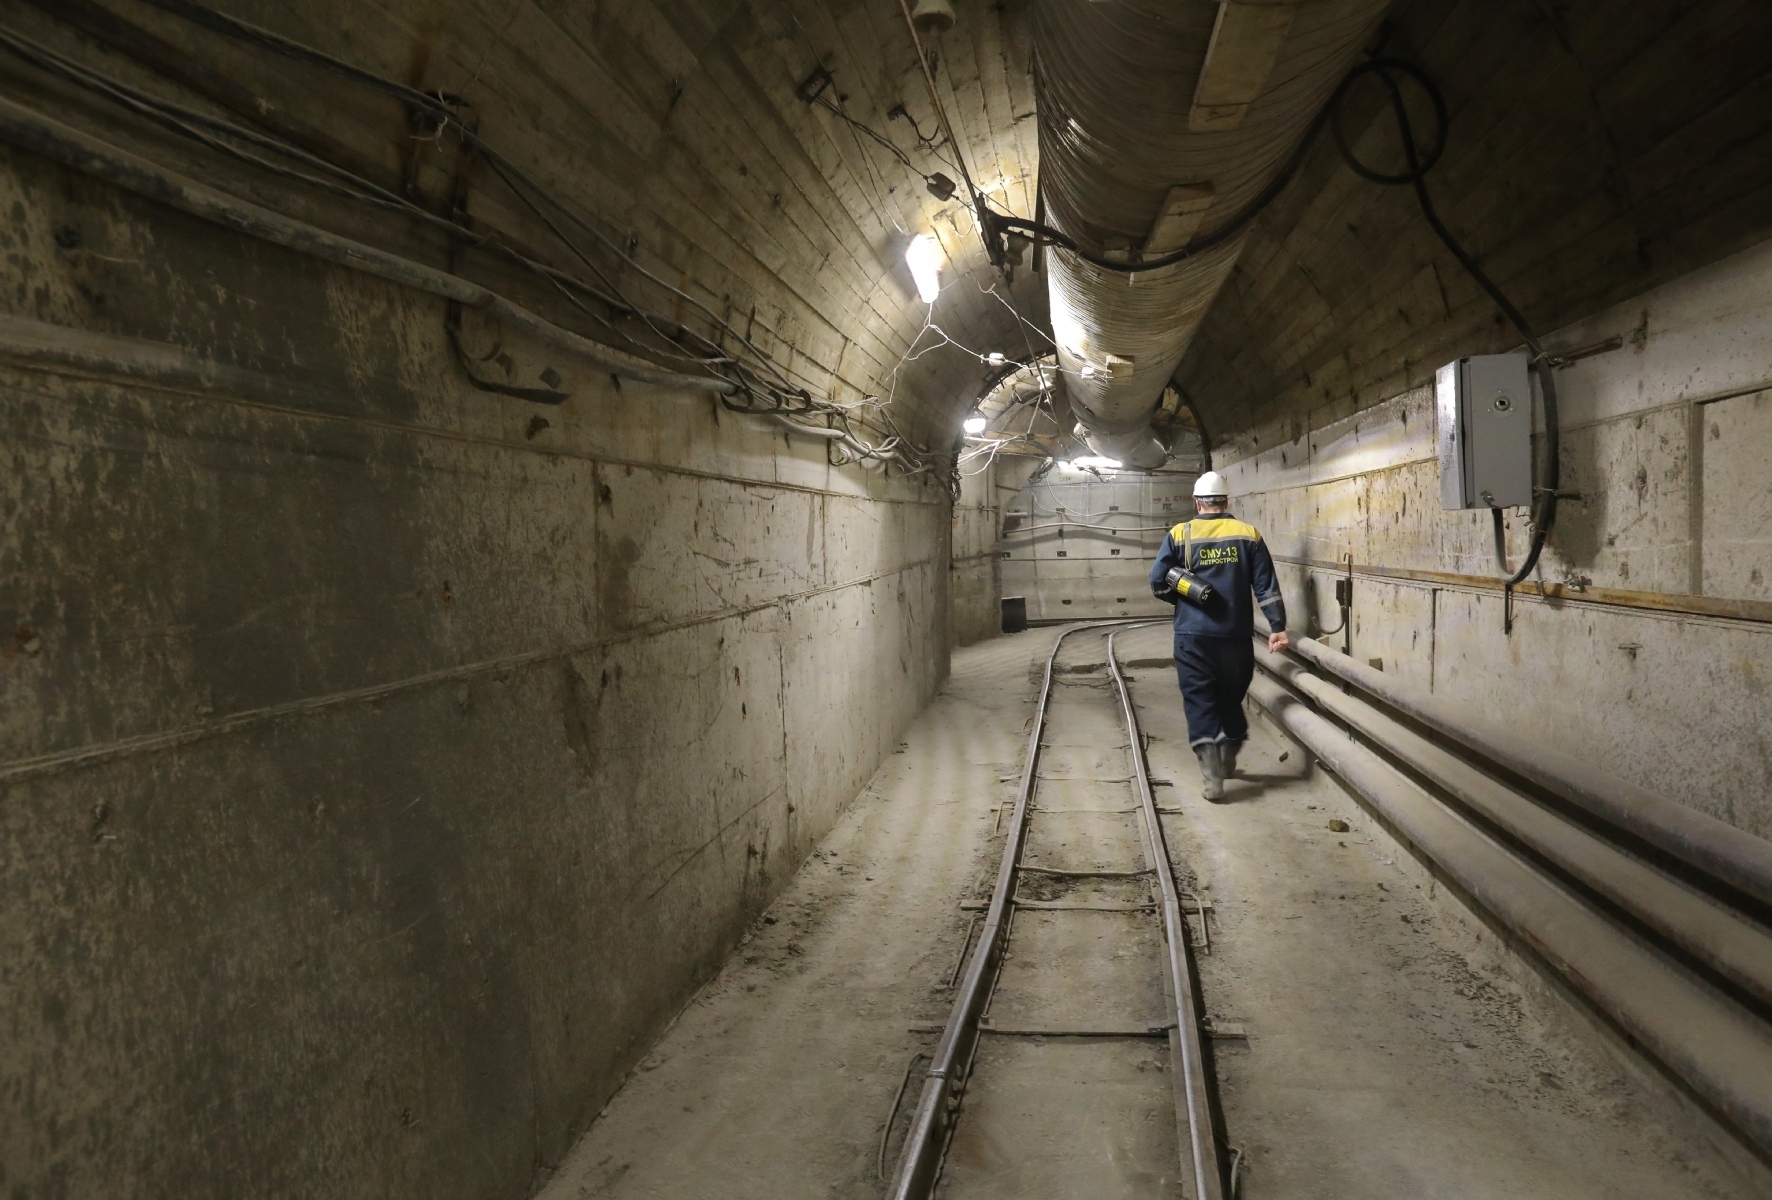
(1718, 1047)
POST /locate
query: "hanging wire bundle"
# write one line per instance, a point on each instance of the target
(759, 383)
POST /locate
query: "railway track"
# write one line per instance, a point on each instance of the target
(1108, 866)
(1651, 915)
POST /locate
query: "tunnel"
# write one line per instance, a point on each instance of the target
(1246, 526)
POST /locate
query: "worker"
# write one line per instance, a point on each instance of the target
(1208, 568)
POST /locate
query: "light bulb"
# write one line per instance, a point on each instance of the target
(995, 358)
(973, 425)
(1095, 461)
(923, 256)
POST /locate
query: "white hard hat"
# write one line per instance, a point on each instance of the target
(1210, 484)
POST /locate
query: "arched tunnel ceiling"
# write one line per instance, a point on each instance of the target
(678, 127)
(690, 130)
(693, 134)
(1594, 150)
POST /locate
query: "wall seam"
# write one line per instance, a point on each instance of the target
(207, 381)
(81, 757)
(1698, 401)
(1445, 581)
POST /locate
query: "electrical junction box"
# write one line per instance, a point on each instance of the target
(1484, 420)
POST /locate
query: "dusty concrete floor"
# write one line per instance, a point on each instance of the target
(776, 1080)
(1382, 1061)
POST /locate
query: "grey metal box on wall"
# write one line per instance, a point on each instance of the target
(1483, 410)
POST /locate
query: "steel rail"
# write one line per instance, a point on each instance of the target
(1193, 1101)
(919, 1163)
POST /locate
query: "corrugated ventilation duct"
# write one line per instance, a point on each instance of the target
(1160, 122)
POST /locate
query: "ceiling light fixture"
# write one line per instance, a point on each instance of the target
(973, 425)
(923, 256)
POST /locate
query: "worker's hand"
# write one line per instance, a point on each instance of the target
(1277, 642)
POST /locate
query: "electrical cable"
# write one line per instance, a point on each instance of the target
(813, 89)
(452, 331)
(931, 181)
(992, 250)
(444, 116)
(211, 132)
(786, 396)
(188, 122)
(1087, 525)
(27, 129)
(1016, 313)
(1544, 507)
(873, 134)
(1046, 235)
(875, 177)
(192, 124)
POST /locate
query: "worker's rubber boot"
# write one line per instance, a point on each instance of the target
(1211, 770)
(1227, 758)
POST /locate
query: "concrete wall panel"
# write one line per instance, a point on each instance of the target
(975, 582)
(384, 762)
(1083, 547)
(1737, 496)
(1673, 700)
(180, 559)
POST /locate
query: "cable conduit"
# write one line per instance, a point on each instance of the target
(887, 451)
(1125, 176)
(1721, 939)
(41, 134)
(1712, 1043)
(1714, 847)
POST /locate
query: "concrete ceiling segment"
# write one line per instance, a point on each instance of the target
(756, 192)
(840, 209)
(676, 123)
(1594, 150)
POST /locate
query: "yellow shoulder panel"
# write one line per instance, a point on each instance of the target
(1221, 527)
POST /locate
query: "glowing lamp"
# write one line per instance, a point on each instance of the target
(923, 256)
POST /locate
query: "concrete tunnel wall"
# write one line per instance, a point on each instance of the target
(1076, 546)
(1610, 167)
(380, 780)
(382, 768)
(385, 763)
(975, 575)
(1649, 654)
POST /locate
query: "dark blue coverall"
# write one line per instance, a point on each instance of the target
(1214, 646)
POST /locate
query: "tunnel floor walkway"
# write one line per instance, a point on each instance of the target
(1388, 1051)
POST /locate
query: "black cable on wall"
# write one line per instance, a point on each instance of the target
(760, 386)
(1388, 70)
